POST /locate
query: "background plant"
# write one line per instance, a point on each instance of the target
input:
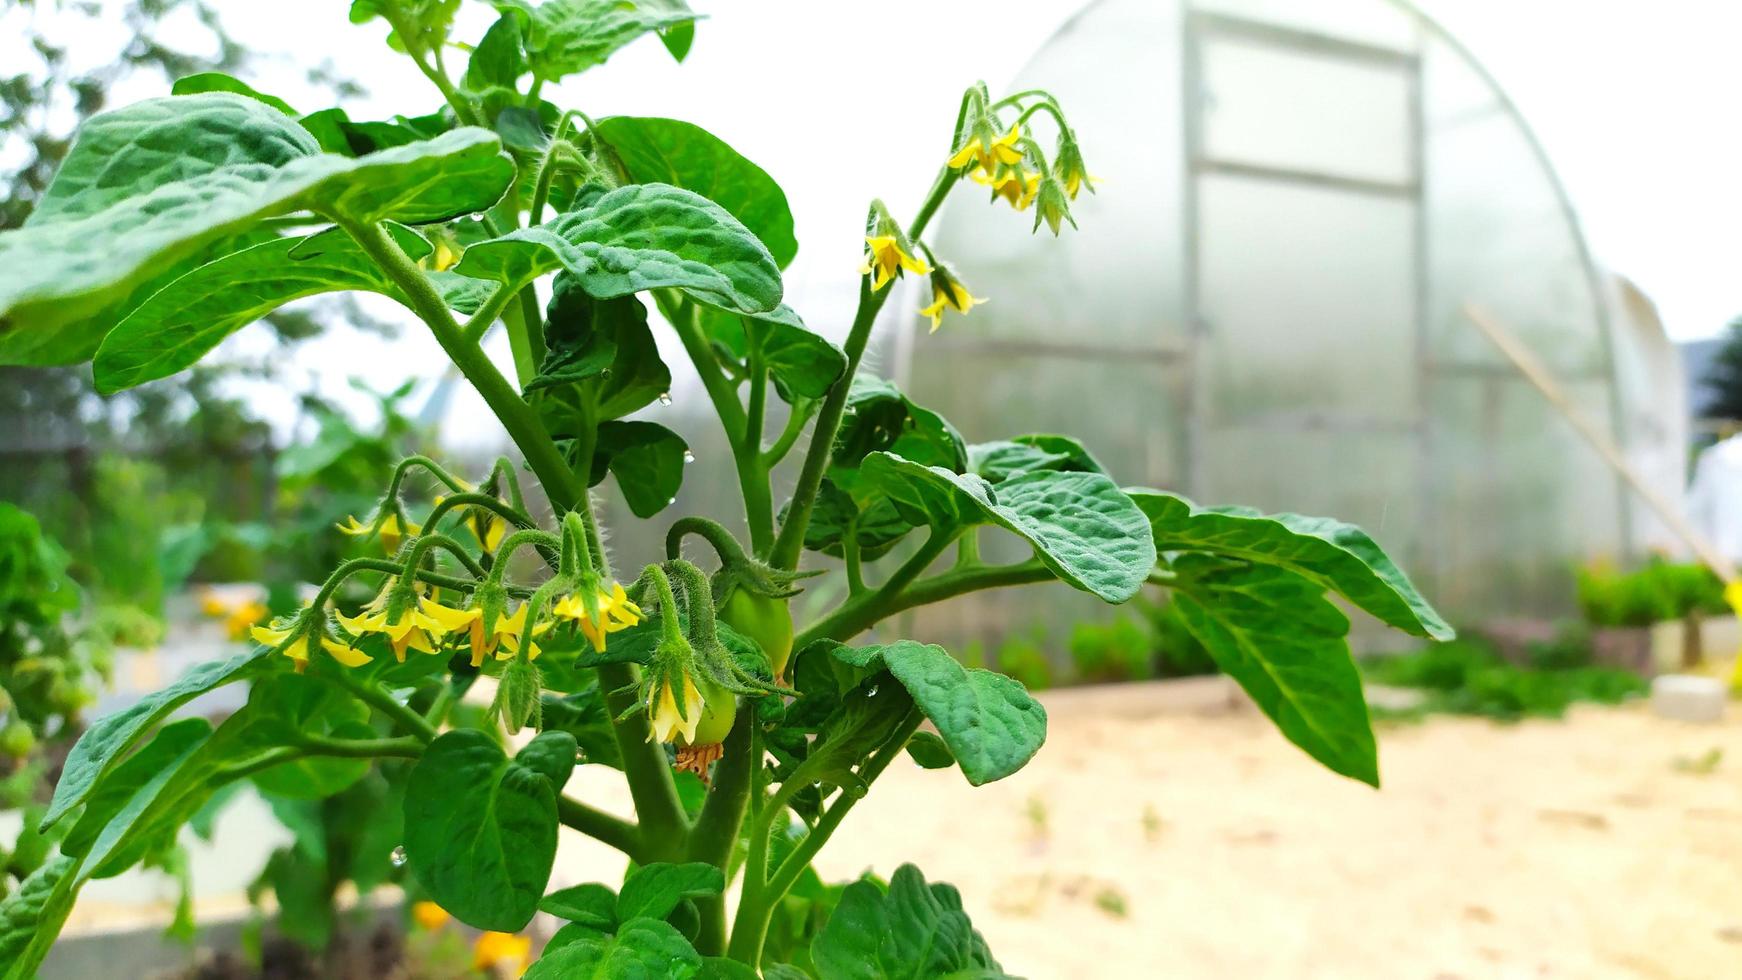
(745, 739)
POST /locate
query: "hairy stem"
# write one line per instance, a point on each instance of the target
(516, 416)
(716, 828)
(599, 825)
(859, 613)
(663, 824)
(790, 542)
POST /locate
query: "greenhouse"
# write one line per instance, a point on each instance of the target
(1308, 196)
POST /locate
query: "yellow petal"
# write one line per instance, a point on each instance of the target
(429, 915)
(349, 656)
(936, 312)
(967, 153)
(266, 636)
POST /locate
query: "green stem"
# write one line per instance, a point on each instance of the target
(663, 825)
(850, 555)
(716, 829)
(599, 825)
(794, 864)
(405, 747)
(387, 704)
(790, 542)
(715, 534)
(860, 613)
(752, 475)
(763, 891)
(516, 416)
(415, 49)
(795, 420)
(487, 314)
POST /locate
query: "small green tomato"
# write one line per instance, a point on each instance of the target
(719, 708)
(16, 739)
(766, 620)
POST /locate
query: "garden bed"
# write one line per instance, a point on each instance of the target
(1204, 845)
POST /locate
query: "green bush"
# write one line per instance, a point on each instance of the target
(1660, 591)
(1468, 677)
(1107, 653)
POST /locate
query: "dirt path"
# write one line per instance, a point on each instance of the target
(1545, 849)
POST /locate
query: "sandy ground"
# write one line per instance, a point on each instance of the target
(1168, 831)
(1575, 849)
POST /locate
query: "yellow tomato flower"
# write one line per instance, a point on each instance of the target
(509, 629)
(274, 634)
(987, 155)
(1010, 183)
(503, 952)
(616, 613)
(410, 633)
(887, 259)
(213, 605)
(662, 710)
(948, 292)
(441, 621)
(429, 915)
(244, 617)
(391, 531)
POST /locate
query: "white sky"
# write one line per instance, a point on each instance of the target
(841, 102)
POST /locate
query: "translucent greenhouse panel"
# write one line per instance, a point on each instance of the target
(1308, 300)
(1516, 499)
(1126, 411)
(1373, 22)
(1498, 233)
(1270, 103)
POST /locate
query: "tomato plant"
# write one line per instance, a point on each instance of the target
(181, 219)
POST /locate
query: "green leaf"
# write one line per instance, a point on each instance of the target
(602, 361)
(636, 238)
(988, 721)
(913, 930)
(592, 905)
(804, 364)
(648, 460)
(837, 518)
(669, 151)
(998, 461)
(126, 837)
(564, 37)
(481, 829)
(654, 890)
(880, 418)
(584, 715)
(497, 61)
(217, 81)
(646, 948)
(721, 968)
(118, 787)
(32, 915)
(336, 132)
(184, 320)
(1274, 632)
(1087, 531)
(105, 742)
(929, 751)
(462, 293)
(285, 706)
(1336, 556)
(149, 184)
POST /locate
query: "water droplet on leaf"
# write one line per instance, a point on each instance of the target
(688, 456)
(665, 398)
(398, 856)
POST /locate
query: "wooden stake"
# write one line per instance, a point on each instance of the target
(1539, 376)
